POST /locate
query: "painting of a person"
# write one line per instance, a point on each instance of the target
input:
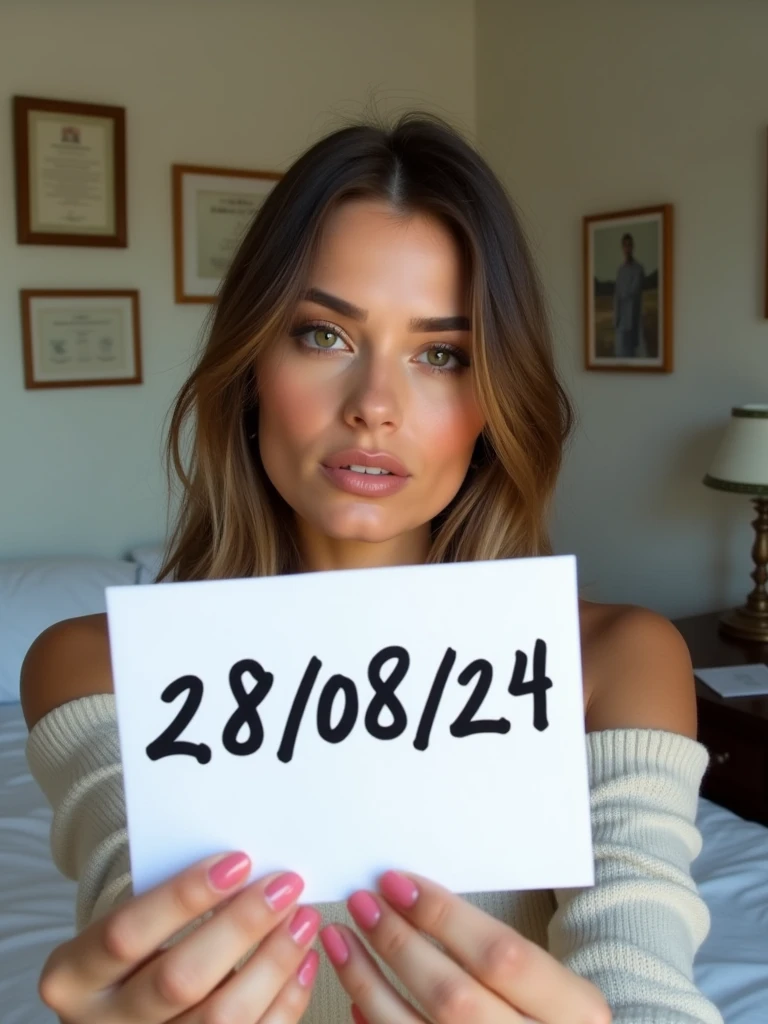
(628, 301)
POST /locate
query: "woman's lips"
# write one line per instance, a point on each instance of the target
(368, 460)
(365, 484)
(370, 485)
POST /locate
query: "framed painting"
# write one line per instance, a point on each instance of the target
(628, 290)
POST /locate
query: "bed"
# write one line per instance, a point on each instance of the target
(37, 904)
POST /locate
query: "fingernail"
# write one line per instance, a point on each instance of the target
(308, 969)
(283, 890)
(357, 1016)
(304, 925)
(398, 889)
(364, 909)
(334, 945)
(229, 871)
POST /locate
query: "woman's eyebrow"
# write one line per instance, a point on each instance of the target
(429, 323)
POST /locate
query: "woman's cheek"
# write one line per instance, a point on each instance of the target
(448, 431)
(297, 406)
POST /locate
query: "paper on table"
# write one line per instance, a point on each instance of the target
(736, 680)
(341, 723)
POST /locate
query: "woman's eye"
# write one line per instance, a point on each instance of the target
(318, 338)
(443, 359)
(323, 338)
(439, 357)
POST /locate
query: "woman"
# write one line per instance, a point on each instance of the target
(382, 314)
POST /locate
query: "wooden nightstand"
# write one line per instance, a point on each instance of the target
(733, 729)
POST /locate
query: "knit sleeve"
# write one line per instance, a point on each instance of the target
(636, 932)
(74, 755)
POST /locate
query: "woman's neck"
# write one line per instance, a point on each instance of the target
(319, 553)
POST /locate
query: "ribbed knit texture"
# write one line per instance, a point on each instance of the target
(634, 934)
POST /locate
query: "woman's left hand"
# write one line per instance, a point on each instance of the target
(487, 974)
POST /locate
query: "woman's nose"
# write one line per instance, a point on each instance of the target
(375, 399)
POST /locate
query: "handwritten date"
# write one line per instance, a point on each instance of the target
(243, 733)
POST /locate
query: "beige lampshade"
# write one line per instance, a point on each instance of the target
(741, 461)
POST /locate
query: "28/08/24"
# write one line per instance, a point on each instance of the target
(247, 717)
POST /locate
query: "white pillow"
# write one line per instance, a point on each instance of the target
(35, 593)
(149, 558)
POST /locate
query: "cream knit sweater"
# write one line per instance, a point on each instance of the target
(634, 934)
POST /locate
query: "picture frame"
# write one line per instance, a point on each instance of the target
(628, 299)
(73, 338)
(70, 173)
(212, 209)
(765, 255)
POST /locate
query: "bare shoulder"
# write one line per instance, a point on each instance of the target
(68, 660)
(637, 670)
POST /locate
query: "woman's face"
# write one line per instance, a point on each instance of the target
(364, 380)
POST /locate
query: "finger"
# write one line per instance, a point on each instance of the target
(251, 991)
(447, 992)
(521, 972)
(188, 972)
(364, 981)
(291, 1004)
(112, 947)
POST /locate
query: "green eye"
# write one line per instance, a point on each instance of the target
(323, 338)
(444, 357)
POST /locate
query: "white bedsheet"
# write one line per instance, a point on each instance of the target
(732, 875)
(36, 903)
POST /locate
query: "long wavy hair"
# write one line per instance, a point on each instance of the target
(230, 520)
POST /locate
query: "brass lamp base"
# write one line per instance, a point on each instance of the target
(745, 624)
(750, 622)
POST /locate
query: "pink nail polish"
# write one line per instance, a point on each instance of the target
(334, 945)
(304, 925)
(308, 969)
(283, 890)
(364, 909)
(398, 889)
(229, 871)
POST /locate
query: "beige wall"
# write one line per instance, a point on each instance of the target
(230, 83)
(598, 105)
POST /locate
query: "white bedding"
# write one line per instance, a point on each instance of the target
(36, 903)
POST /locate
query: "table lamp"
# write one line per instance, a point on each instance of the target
(741, 465)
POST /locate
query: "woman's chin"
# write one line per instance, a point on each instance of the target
(364, 533)
(361, 525)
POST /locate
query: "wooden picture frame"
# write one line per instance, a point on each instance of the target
(88, 338)
(212, 208)
(628, 301)
(70, 173)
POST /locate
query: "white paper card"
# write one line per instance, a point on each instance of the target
(736, 680)
(212, 678)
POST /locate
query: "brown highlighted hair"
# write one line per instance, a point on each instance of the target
(231, 522)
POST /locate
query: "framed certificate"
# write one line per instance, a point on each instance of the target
(212, 209)
(80, 338)
(70, 173)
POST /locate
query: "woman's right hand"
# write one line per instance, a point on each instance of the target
(116, 970)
